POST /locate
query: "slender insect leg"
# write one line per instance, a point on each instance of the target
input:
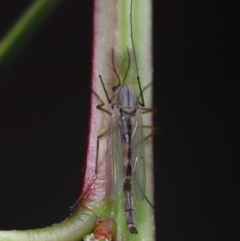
(100, 106)
(153, 128)
(97, 151)
(96, 168)
(144, 89)
(147, 110)
(142, 102)
(109, 99)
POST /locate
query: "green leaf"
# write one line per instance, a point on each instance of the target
(20, 33)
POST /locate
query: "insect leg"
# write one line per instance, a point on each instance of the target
(142, 102)
(147, 110)
(109, 99)
(106, 132)
(100, 106)
(154, 130)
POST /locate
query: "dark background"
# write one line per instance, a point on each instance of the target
(44, 117)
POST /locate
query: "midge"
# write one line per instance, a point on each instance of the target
(126, 155)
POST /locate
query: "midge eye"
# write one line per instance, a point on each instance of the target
(114, 88)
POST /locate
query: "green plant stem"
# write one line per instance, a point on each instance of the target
(112, 31)
(74, 228)
(17, 37)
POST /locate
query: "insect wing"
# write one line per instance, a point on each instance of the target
(138, 157)
(115, 159)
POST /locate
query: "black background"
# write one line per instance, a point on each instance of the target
(44, 117)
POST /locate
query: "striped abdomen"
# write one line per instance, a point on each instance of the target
(127, 185)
